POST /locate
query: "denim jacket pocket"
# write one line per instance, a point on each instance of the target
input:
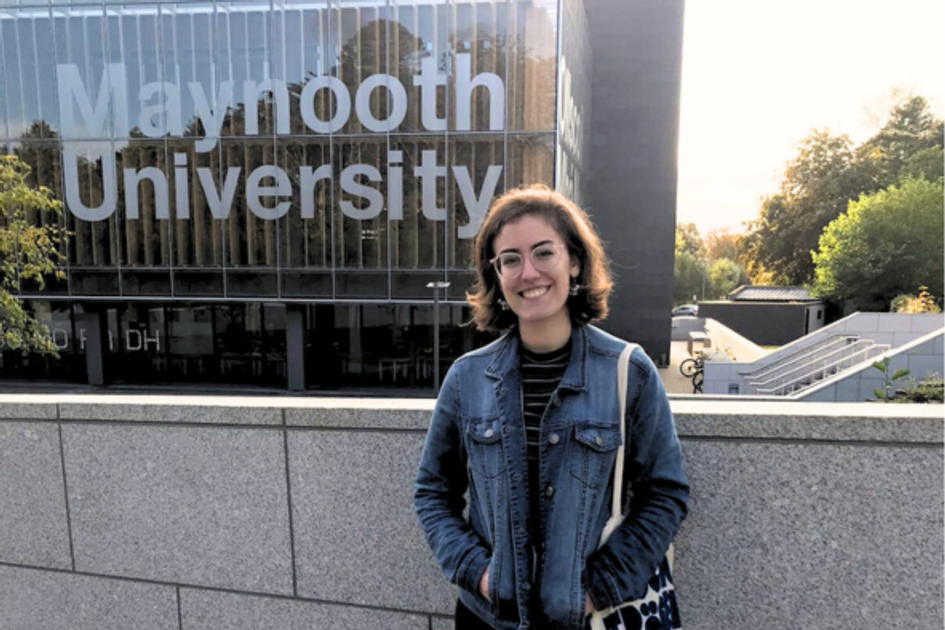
(593, 450)
(484, 447)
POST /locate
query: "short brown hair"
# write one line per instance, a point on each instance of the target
(581, 238)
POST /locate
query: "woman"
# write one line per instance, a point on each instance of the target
(529, 425)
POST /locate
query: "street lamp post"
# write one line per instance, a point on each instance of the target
(436, 286)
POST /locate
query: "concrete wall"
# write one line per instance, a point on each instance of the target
(764, 324)
(289, 513)
(743, 350)
(921, 357)
(893, 329)
(633, 137)
(682, 326)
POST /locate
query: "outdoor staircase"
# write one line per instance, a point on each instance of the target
(809, 366)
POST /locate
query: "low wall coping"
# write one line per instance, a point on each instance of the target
(699, 419)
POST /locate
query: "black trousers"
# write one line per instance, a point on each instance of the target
(466, 619)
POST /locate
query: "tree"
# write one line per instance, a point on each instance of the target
(722, 243)
(817, 185)
(725, 275)
(910, 128)
(885, 244)
(689, 276)
(827, 174)
(30, 235)
(689, 240)
(926, 164)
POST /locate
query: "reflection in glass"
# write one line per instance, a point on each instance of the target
(532, 68)
(373, 346)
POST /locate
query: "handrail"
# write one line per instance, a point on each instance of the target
(791, 386)
(849, 349)
(800, 355)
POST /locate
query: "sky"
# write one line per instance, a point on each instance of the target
(758, 75)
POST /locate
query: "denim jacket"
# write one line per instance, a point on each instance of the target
(476, 443)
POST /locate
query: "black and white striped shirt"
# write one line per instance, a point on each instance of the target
(541, 373)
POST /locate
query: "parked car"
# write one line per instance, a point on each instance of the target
(686, 310)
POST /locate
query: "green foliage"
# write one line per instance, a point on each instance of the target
(725, 275)
(688, 273)
(910, 129)
(29, 253)
(931, 389)
(688, 240)
(924, 302)
(828, 173)
(883, 245)
(816, 188)
(928, 164)
(888, 379)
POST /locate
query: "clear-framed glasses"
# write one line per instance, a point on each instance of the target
(544, 258)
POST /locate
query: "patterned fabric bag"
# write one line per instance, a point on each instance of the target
(657, 609)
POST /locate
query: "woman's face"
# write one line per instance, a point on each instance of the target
(536, 271)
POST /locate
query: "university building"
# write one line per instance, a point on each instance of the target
(263, 194)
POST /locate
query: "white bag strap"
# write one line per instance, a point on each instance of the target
(616, 517)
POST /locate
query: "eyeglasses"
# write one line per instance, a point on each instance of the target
(544, 258)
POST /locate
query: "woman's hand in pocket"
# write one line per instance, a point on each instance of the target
(484, 583)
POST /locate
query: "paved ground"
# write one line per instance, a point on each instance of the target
(673, 381)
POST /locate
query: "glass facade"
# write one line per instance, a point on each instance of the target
(336, 154)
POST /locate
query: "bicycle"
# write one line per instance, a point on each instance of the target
(690, 366)
(697, 380)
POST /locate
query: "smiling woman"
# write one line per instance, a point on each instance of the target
(531, 425)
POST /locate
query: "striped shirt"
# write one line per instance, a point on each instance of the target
(541, 373)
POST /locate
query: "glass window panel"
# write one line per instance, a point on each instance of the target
(531, 160)
(575, 72)
(251, 239)
(141, 348)
(144, 209)
(14, 92)
(198, 235)
(46, 69)
(479, 42)
(243, 50)
(363, 38)
(305, 231)
(532, 66)
(420, 38)
(476, 177)
(187, 38)
(418, 242)
(190, 339)
(95, 184)
(4, 105)
(69, 366)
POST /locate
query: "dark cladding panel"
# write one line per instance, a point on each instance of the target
(633, 138)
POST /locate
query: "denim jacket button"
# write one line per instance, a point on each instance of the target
(489, 433)
(550, 491)
(599, 440)
(553, 438)
(555, 402)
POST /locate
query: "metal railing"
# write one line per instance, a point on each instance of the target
(815, 374)
(803, 356)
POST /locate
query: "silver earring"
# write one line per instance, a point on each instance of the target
(503, 304)
(574, 289)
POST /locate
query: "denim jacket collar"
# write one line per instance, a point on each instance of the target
(575, 376)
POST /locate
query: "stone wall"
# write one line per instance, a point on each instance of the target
(186, 513)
